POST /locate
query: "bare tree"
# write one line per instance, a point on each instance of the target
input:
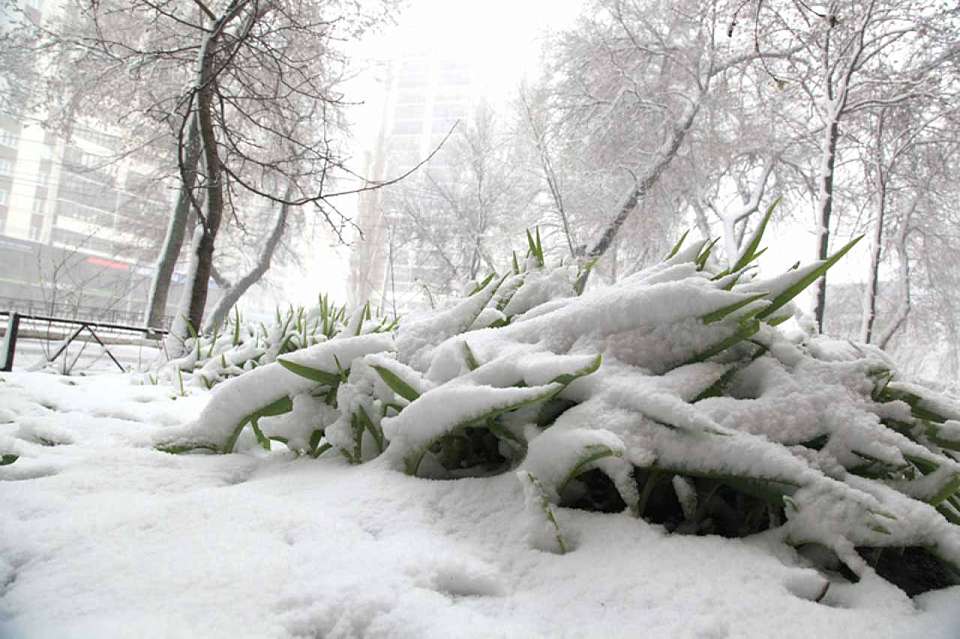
(900, 138)
(177, 226)
(632, 79)
(537, 125)
(460, 216)
(236, 290)
(257, 64)
(856, 58)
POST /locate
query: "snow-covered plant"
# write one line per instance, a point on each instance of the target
(672, 395)
(240, 346)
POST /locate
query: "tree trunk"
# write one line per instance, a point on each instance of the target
(201, 248)
(873, 283)
(636, 194)
(550, 176)
(213, 184)
(873, 274)
(176, 231)
(905, 303)
(666, 153)
(824, 210)
(235, 292)
(700, 217)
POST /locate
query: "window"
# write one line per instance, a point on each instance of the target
(3, 197)
(43, 178)
(455, 74)
(36, 226)
(411, 97)
(5, 167)
(407, 127)
(442, 125)
(450, 110)
(81, 161)
(412, 80)
(97, 137)
(8, 138)
(409, 112)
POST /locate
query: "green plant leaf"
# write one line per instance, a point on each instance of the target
(315, 437)
(412, 459)
(720, 313)
(540, 495)
(177, 449)
(274, 408)
(947, 490)
(590, 454)
(396, 384)
(482, 284)
(191, 329)
(747, 328)
(676, 247)
(719, 387)
(750, 252)
(701, 260)
(590, 368)
(307, 372)
(469, 357)
(321, 450)
(809, 278)
(582, 275)
(262, 439)
(236, 326)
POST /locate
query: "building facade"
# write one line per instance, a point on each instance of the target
(81, 221)
(424, 95)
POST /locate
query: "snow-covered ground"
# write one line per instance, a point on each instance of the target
(83, 357)
(101, 536)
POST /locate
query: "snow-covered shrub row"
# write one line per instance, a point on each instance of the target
(672, 395)
(242, 346)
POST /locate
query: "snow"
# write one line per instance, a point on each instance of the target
(419, 336)
(540, 286)
(603, 351)
(447, 407)
(239, 397)
(105, 537)
(520, 391)
(554, 456)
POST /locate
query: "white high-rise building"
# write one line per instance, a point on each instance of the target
(424, 96)
(80, 223)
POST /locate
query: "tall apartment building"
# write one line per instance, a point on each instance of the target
(423, 96)
(80, 227)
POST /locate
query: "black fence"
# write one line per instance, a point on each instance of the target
(90, 314)
(8, 346)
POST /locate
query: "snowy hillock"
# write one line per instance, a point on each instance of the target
(676, 396)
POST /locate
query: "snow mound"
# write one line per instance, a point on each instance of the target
(671, 396)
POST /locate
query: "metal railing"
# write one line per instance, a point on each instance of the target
(8, 347)
(66, 310)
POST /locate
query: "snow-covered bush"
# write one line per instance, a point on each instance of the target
(242, 346)
(672, 395)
